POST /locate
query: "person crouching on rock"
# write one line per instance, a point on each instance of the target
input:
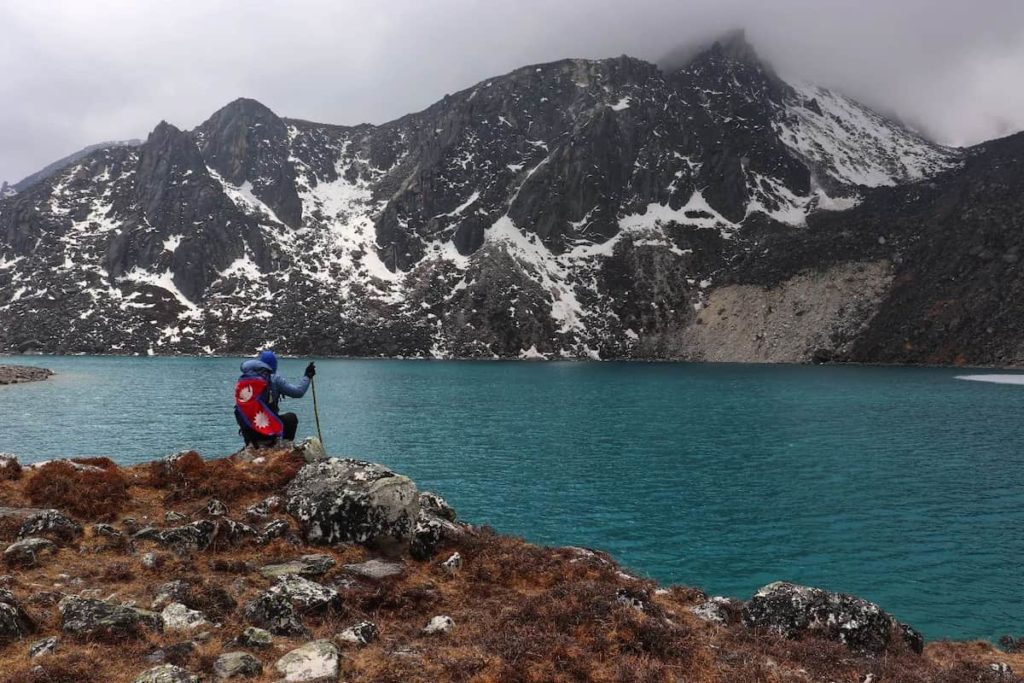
(257, 396)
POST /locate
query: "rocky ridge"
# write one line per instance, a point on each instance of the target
(581, 208)
(16, 374)
(341, 592)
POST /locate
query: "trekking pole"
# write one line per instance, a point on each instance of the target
(316, 412)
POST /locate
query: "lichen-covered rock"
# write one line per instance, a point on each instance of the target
(42, 647)
(305, 595)
(51, 524)
(311, 449)
(14, 620)
(236, 665)
(439, 625)
(215, 508)
(375, 569)
(717, 610)
(196, 536)
(274, 613)
(795, 611)
(166, 673)
(255, 637)
(453, 564)
(178, 617)
(363, 633)
(178, 590)
(352, 501)
(90, 617)
(435, 504)
(314, 662)
(430, 534)
(263, 509)
(106, 530)
(27, 551)
(279, 528)
(307, 565)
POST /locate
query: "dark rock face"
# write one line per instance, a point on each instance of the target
(275, 613)
(796, 611)
(14, 620)
(582, 208)
(96, 618)
(51, 524)
(351, 501)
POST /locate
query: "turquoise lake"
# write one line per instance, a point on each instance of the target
(903, 486)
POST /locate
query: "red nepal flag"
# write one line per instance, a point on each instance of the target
(256, 413)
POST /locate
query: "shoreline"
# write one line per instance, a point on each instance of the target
(263, 558)
(21, 374)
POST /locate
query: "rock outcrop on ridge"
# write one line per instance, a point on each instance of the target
(581, 208)
(346, 595)
(16, 374)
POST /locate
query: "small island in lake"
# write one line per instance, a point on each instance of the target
(287, 565)
(18, 374)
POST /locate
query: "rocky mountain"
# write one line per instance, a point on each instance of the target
(579, 208)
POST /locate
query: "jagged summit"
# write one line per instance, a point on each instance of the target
(575, 208)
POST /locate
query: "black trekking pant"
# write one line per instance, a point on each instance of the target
(254, 438)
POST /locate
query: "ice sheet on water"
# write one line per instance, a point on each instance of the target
(994, 379)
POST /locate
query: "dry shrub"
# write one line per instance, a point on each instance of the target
(10, 471)
(190, 477)
(117, 572)
(61, 667)
(85, 493)
(9, 527)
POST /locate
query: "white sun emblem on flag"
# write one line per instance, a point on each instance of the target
(245, 394)
(261, 420)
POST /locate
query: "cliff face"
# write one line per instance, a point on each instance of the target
(264, 567)
(573, 209)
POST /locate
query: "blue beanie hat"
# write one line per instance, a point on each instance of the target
(268, 357)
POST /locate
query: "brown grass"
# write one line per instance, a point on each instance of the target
(88, 494)
(228, 479)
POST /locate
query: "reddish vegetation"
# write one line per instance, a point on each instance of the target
(95, 492)
(522, 613)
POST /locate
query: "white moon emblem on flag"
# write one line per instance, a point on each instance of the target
(245, 394)
(261, 420)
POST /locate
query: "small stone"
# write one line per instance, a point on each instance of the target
(255, 637)
(43, 647)
(274, 613)
(311, 449)
(375, 569)
(453, 564)
(307, 565)
(106, 530)
(363, 633)
(439, 625)
(279, 528)
(172, 591)
(150, 561)
(178, 617)
(172, 517)
(305, 595)
(1001, 668)
(236, 665)
(215, 508)
(435, 504)
(313, 662)
(166, 673)
(717, 610)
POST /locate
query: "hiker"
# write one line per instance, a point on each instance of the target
(257, 396)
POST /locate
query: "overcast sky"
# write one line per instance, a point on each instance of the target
(73, 73)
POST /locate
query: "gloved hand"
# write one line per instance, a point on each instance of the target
(311, 370)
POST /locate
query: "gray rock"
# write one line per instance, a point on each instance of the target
(275, 613)
(436, 505)
(279, 528)
(795, 611)
(14, 620)
(150, 560)
(172, 591)
(307, 565)
(430, 533)
(363, 633)
(351, 501)
(453, 564)
(106, 530)
(311, 449)
(51, 524)
(178, 617)
(305, 595)
(236, 665)
(314, 662)
(90, 617)
(42, 647)
(255, 637)
(439, 625)
(196, 536)
(717, 610)
(26, 552)
(263, 509)
(215, 508)
(375, 570)
(166, 673)
(172, 517)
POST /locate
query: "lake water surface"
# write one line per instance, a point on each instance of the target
(904, 486)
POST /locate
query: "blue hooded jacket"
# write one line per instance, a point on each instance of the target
(278, 385)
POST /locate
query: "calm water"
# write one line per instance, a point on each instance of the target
(905, 486)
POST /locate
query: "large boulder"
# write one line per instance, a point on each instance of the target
(14, 621)
(51, 524)
(236, 665)
(351, 501)
(90, 617)
(306, 595)
(27, 551)
(796, 611)
(275, 613)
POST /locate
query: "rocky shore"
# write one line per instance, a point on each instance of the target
(288, 566)
(17, 374)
